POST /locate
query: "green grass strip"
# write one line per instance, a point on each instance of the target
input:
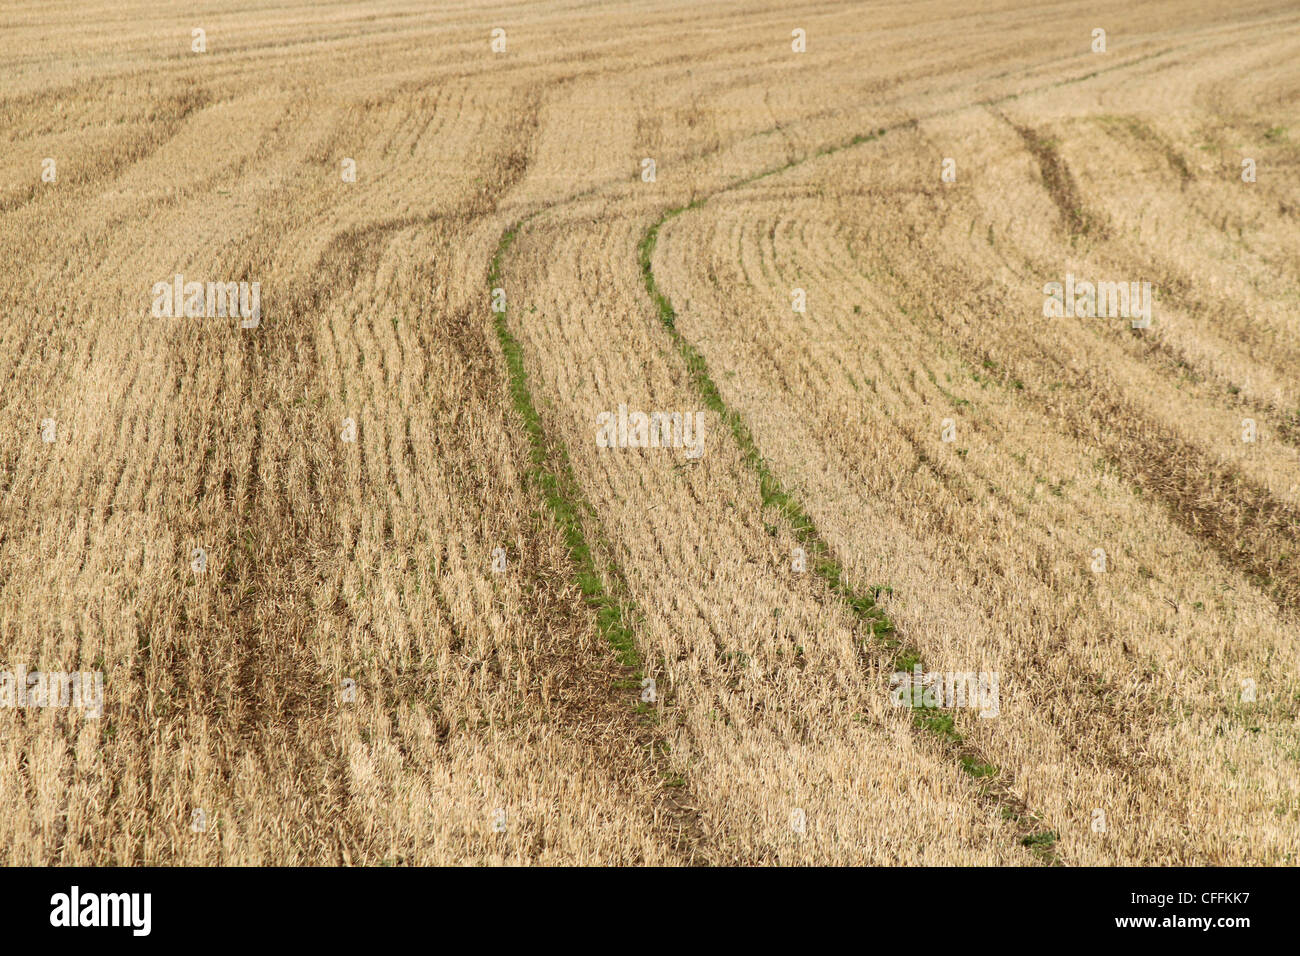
(551, 469)
(862, 604)
(774, 495)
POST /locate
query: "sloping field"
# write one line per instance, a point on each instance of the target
(383, 574)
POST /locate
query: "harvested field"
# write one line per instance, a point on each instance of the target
(389, 570)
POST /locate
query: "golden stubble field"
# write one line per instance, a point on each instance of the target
(366, 583)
